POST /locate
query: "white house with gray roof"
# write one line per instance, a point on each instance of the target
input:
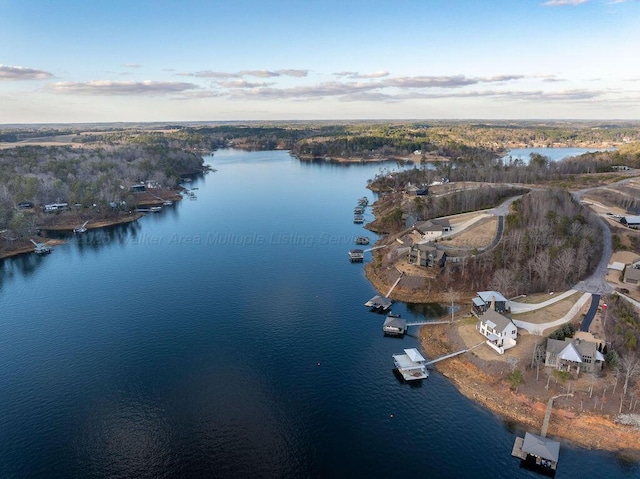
(499, 330)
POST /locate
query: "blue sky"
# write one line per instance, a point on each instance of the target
(98, 60)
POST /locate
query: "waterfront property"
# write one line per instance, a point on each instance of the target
(426, 255)
(486, 300)
(411, 365)
(537, 453)
(573, 355)
(499, 330)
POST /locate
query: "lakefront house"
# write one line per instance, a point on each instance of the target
(499, 330)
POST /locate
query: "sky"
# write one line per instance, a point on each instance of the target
(77, 61)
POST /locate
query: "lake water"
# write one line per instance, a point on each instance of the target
(554, 154)
(227, 337)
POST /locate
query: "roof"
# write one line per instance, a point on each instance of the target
(495, 320)
(379, 301)
(541, 447)
(632, 219)
(414, 355)
(632, 274)
(392, 322)
(487, 296)
(616, 265)
(478, 302)
(570, 353)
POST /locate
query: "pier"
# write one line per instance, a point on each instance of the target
(451, 355)
(396, 326)
(394, 285)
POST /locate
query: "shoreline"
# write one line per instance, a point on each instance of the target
(27, 247)
(584, 429)
(483, 380)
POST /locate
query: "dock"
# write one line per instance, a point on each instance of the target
(379, 304)
(358, 219)
(537, 453)
(396, 326)
(411, 365)
(356, 255)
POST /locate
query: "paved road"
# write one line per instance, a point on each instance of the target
(586, 322)
(539, 329)
(517, 308)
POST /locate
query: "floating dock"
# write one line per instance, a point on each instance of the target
(362, 240)
(411, 365)
(394, 326)
(364, 201)
(358, 219)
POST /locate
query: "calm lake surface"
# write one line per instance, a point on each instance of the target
(227, 337)
(554, 154)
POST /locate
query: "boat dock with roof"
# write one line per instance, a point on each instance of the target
(537, 453)
(411, 365)
(379, 304)
(356, 255)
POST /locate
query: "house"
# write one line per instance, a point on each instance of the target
(433, 229)
(573, 355)
(423, 254)
(632, 275)
(489, 300)
(499, 330)
(55, 207)
(631, 221)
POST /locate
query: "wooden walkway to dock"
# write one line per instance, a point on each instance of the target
(451, 355)
(547, 413)
(394, 285)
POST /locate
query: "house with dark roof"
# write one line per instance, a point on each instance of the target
(573, 355)
(426, 255)
(486, 300)
(499, 330)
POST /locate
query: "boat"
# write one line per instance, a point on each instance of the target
(155, 209)
(363, 240)
(364, 201)
(167, 203)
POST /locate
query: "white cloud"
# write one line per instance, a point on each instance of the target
(357, 76)
(8, 72)
(252, 73)
(107, 87)
(557, 3)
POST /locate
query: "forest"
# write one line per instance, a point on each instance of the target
(83, 176)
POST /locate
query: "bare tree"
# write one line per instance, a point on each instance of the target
(630, 367)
